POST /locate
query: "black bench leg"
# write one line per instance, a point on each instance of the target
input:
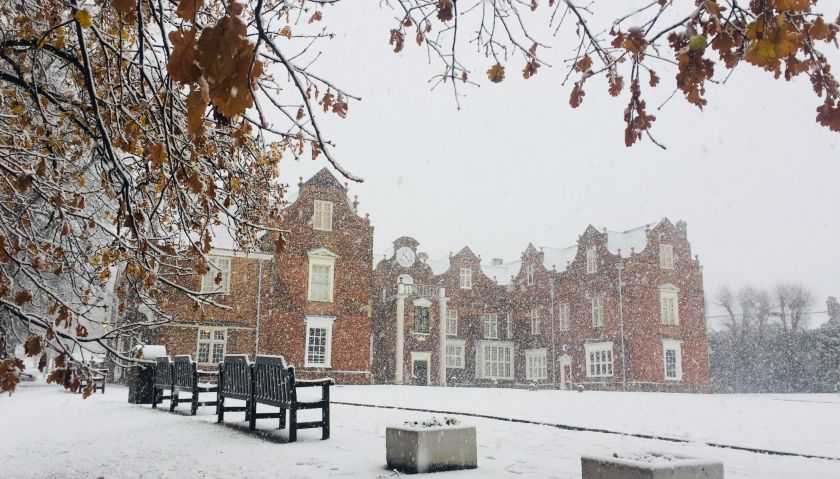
(194, 406)
(220, 408)
(282, 418)
(173, 402)
(154, 398)
(293, 423)
(325, 413)
(252, 415)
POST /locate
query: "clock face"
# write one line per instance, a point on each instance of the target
(405, 256)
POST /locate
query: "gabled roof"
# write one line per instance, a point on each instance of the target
(323, 179)
(467, 254)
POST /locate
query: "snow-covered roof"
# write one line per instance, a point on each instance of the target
(439, 266)
(635, 239)
(558, 257)
(502, 273)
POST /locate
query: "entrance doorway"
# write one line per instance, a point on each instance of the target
(420, 372)
(565, 372)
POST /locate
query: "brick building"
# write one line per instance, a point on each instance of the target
(311, 304)
(618, 310)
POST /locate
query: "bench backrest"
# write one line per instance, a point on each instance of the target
(273, 381)
(163, 372)
(235, 374)
(183, 370)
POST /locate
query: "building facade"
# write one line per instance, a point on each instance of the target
(617, 311)
(311, 304)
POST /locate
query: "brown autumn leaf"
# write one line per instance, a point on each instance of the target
(397, 39)
(300, 114)
(188, 8)
(340, 107)
(316, 149)
(445, 10)
(196, 106)
(22, 297)
(654, 78)
(496, 73)
(419, 36)
(576, 97)
(316, 17)
(157, 154)
(828, 115)
(616, 83)
(530, 69)
(819, 29)
(81, 331)
(127, 9)
(183, 64)
(327, 100)
(286, 32)
(584, 64)
(9, 369)
(33, 346)
(42, 362)
(226, 58)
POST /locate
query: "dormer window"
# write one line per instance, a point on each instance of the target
(322, 219)
(591, 260)
(530, 275)
(666, 256)
(465, 278)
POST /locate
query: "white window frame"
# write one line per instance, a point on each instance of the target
(536, 366)
(422, 356)
(598, 311)
(591, 260)
(319, 322)
(530, 274)
(669, 305)
(534, 319)
(501, 362)
(208, 280)
(324, 258)
(600, 359)
(666, 256)
(322, 216)
(564, 312)
(465, 278)
(212, 340)
(452, 322)
(422, 308)
(455, 353)
(676, 346)
(490, 325)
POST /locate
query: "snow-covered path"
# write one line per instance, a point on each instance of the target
(53, 434)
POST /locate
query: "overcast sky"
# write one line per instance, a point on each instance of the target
(754, 176)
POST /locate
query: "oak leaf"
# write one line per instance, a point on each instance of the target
(227, 60)
(397, 39)
(530, 69)
(316, 17)
(286, 32)
(188, 8)
(83, 18)
(496, 73)
(33, 346)
(576, 98)
(183, 64)
(445, 10)
(22, 297)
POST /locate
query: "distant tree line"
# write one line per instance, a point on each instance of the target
(766, 346)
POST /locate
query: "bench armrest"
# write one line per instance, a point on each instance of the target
(307, 383)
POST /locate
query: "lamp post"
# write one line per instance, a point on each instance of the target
(620, 267)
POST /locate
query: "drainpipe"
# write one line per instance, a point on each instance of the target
(259, 294)
(620, 267)
(553, 338)
(442, 335)
(400, 335)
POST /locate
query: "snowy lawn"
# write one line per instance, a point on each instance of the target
(53, 434)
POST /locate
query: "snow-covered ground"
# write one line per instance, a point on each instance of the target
(49, 433)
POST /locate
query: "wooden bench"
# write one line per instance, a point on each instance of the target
(162, 380)
(97, 377)
(234, 383)
(185, 378)
(271, 382)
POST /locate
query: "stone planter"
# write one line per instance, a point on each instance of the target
(649, 466)
(412, 450)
